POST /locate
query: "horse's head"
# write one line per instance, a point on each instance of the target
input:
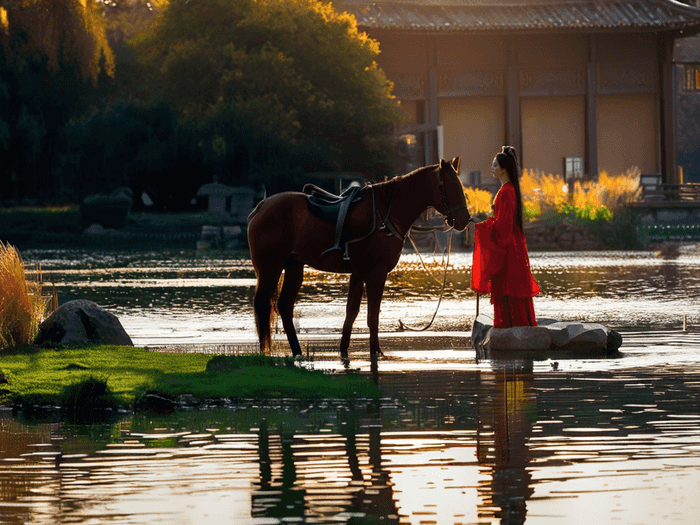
(453, 204)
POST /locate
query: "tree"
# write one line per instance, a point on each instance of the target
(51, 55)
(296, 68)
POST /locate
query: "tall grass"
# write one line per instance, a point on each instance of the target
(22, 306)
(589, 200)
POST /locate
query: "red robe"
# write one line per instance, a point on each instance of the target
(500, 263)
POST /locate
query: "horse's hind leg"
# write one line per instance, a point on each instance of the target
(293, 277)
(262, 306)
(355, 289)
(375, 290)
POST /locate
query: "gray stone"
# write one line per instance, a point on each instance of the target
(82, 322)
(518, 338)
(573, 336)
(549, 337)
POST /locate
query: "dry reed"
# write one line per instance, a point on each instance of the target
(22, 306)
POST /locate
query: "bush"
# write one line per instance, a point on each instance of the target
(547, 196)
(478, 201)
(110, 211)
(22, 306)
(90, 393)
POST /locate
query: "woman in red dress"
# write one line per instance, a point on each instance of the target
(501, 265)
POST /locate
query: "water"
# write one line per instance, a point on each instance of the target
(451, 441)
(194, 298)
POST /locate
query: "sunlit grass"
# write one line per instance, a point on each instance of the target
(22, 306)
(44, 375)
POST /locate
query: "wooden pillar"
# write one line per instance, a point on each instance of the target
(512, 137)
(667, 114)
(591, 139)
(433, 114)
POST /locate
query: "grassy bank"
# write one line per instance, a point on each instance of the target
(70, 377)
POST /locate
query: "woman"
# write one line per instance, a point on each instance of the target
(501, 265)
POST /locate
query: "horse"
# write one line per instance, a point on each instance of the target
(284, 236)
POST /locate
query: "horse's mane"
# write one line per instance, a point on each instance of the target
(402, 178)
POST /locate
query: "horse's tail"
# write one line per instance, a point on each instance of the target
(266, 315)
(274, 312)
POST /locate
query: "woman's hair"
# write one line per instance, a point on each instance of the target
(508, 160)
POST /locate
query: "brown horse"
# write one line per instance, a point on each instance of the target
(284, 235)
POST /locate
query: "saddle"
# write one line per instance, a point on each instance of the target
(331, 207)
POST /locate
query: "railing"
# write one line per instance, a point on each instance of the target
(653, 190)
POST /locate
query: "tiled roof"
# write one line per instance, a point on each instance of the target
(485, 15)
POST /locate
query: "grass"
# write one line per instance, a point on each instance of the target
(44, 376)
(22, 305)
(57, 219)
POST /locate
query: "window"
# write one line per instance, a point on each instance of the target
(691, 77)
(573, 168)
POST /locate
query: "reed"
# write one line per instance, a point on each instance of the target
(22, 306)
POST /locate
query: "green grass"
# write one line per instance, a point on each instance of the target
(49, 376)
(64, 219)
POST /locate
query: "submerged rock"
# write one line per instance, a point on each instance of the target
(82, 322)
(549, 338)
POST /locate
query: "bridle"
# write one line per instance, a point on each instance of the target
(449, 212)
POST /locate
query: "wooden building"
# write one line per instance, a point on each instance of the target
(577, 86)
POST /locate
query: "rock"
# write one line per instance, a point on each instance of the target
(82, 322)
(95, 229)
(549, 338)
(518, 338)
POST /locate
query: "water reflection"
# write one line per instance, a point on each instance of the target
(505, 429)
(189, 297)
(502, 443)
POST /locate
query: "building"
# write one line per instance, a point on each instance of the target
(577, 86)
(687, 78)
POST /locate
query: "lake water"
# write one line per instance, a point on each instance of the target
(452, 440)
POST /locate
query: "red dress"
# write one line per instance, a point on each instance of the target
(501, 265)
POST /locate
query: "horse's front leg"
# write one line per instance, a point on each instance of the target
(375, 290)
(355, 289)
(293, 277)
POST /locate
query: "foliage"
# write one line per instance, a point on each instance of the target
(478, 201)
(63, 32)
(548, 196)
(40, 375)
(88, 393)
(139, 146)
(22, 306)
(56, 43)
(277, 63)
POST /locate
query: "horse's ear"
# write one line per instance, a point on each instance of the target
(455, 163)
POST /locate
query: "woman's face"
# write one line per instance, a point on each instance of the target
(496, 170)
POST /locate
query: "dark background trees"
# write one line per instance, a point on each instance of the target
(164, 97)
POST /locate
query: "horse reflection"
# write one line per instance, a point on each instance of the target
(325, 478)
(505, 426)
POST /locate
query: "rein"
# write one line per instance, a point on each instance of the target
(403, 326)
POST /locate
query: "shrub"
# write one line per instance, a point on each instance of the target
(22, 306)
(478, 201)
(87, 394)
(587, 201)
(110, 211)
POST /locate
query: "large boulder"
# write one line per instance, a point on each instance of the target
(83, 322)
(551, 338)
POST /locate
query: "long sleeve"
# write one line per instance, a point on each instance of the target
(501, 265)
